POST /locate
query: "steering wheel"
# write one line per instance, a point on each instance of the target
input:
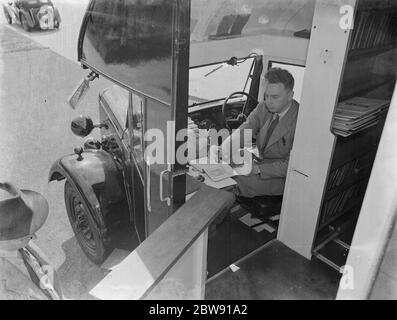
(234, 123)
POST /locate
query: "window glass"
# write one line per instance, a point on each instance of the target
(117, 100)
(219, 19)
(137, 126)
(131, 42)
(217, 81)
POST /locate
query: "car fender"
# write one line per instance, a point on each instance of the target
(96, 177)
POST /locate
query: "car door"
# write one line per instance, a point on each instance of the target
(144, 47)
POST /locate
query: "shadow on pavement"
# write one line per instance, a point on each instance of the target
(77, 275)
(35, 31)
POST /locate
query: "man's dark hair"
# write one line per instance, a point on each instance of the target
(278, 75)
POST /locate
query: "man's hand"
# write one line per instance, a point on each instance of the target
(245, 170)
(248, 169)
(255, 169)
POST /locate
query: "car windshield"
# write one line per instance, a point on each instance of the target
(217, 81)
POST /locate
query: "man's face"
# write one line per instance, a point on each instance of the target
(277, 97)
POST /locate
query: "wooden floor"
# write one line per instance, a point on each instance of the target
(275, 272)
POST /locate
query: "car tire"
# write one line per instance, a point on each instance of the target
(56, 24)
(24, 23)
(92, 241)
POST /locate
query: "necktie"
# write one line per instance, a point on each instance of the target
(270, 130)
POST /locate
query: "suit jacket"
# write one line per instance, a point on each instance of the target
(273, 169)
(15, 281)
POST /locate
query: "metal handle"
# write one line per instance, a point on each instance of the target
(149, 207)
(168, 199)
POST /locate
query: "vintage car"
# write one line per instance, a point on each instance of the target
(32, 14)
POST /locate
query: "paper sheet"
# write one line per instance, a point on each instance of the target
(249, 221)
(266, 227)
(209, 182)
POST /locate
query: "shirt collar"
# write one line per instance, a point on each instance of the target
(282, 114)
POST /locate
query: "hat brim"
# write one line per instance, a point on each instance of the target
(39, 206)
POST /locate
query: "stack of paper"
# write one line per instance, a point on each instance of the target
(356, 114)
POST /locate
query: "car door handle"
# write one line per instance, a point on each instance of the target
(168, 199)
(148, 200)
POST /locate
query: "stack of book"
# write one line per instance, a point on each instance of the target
(356, 114)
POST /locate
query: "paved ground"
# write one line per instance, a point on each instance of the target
(64, 40)
(35, 130)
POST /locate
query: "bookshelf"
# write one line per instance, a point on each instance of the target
(356, 88)
(372, 43)
(357, 53)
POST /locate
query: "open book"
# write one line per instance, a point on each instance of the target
(216, 171)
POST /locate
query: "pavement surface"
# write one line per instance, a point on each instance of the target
(64, 40)
(38, 72)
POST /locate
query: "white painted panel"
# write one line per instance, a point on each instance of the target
(132, 279)
(186, 279)
(313, 144)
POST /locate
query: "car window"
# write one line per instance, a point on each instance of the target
(131, 42)
(137, 106)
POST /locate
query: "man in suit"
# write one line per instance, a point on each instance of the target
(24, 270)
(273, 125)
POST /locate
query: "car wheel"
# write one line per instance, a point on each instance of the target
(24, 23)
(56, 24)
(90, 239)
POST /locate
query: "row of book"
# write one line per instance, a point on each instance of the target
(339, 175)
(349, 170)
(356, 114)
(374, 29)
(342, 202)
(376, 4)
